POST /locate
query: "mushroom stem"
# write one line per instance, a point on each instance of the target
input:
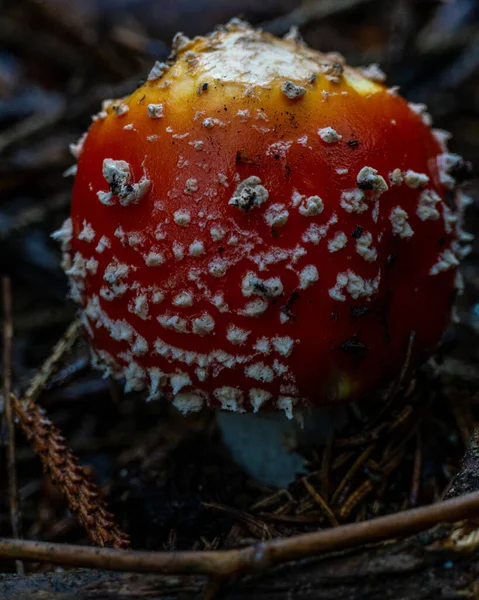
(264, 444)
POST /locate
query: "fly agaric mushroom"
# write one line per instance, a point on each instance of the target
(260, 227)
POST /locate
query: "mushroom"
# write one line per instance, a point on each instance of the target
(258, 228)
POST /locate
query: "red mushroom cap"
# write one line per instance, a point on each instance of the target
(260, 225)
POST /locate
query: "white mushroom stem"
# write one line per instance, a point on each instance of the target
(264, 444)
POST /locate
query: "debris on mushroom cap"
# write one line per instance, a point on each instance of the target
(265, 210)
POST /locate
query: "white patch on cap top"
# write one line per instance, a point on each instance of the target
(245, 56)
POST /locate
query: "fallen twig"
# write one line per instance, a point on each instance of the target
(321, 502)
(226, 563)
(15, 513)
(61, 348)
(417, 471)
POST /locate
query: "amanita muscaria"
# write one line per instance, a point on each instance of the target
(261, 226)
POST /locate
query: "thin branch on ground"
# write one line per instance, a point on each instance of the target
(15, 512)
(226, 563)
(49, 366)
